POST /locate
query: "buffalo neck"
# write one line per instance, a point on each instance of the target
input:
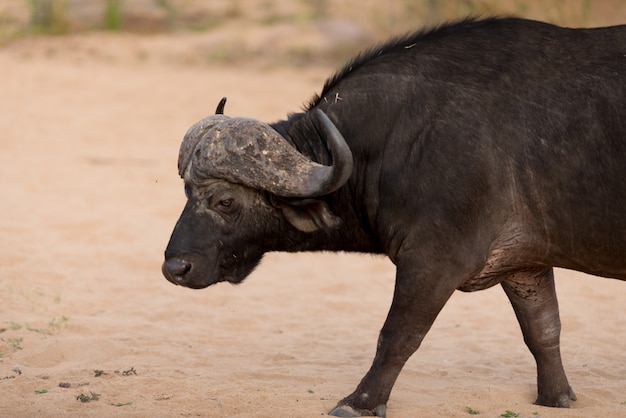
(356, 233)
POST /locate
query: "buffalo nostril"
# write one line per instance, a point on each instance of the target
(175, 269)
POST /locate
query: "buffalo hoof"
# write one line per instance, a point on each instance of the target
(562, 401)
(348, 411)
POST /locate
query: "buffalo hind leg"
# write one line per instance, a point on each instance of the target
(416, 302)
(533, 297)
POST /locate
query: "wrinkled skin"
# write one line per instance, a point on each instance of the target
(243, 224)
(219, 209)
(484, 152)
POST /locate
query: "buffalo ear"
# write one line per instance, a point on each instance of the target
(309, 215)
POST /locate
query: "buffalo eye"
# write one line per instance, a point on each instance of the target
(226, 203)
(223, 201)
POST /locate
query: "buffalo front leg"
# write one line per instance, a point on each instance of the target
(533, 297)
(416, 302)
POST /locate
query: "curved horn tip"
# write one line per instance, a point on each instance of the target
(341, 154)
(334, 137)
(220, 106)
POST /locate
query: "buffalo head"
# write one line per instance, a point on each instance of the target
(249, 191)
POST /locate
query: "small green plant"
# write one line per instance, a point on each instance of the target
(84, 398)
(471, 410)
(15, 343)
(58, 325)
(48, 16)
(509, 414)
(54, 326)
(310, 390)
(123, 403)
(41, 391)
(113, 15)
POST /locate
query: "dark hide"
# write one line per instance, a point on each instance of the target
(485, 152)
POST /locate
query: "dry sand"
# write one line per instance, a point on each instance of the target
(89, 195)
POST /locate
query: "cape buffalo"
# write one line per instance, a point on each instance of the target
(478, 153)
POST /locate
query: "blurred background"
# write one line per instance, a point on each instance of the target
(95, 96)
(295, 32)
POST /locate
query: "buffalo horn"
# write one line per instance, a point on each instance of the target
(220, 106)
(195, 133)
(250, 152)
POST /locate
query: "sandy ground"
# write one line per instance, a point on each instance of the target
(89, 193)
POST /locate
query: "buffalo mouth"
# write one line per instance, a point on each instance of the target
(197, 273)
(235, 267)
